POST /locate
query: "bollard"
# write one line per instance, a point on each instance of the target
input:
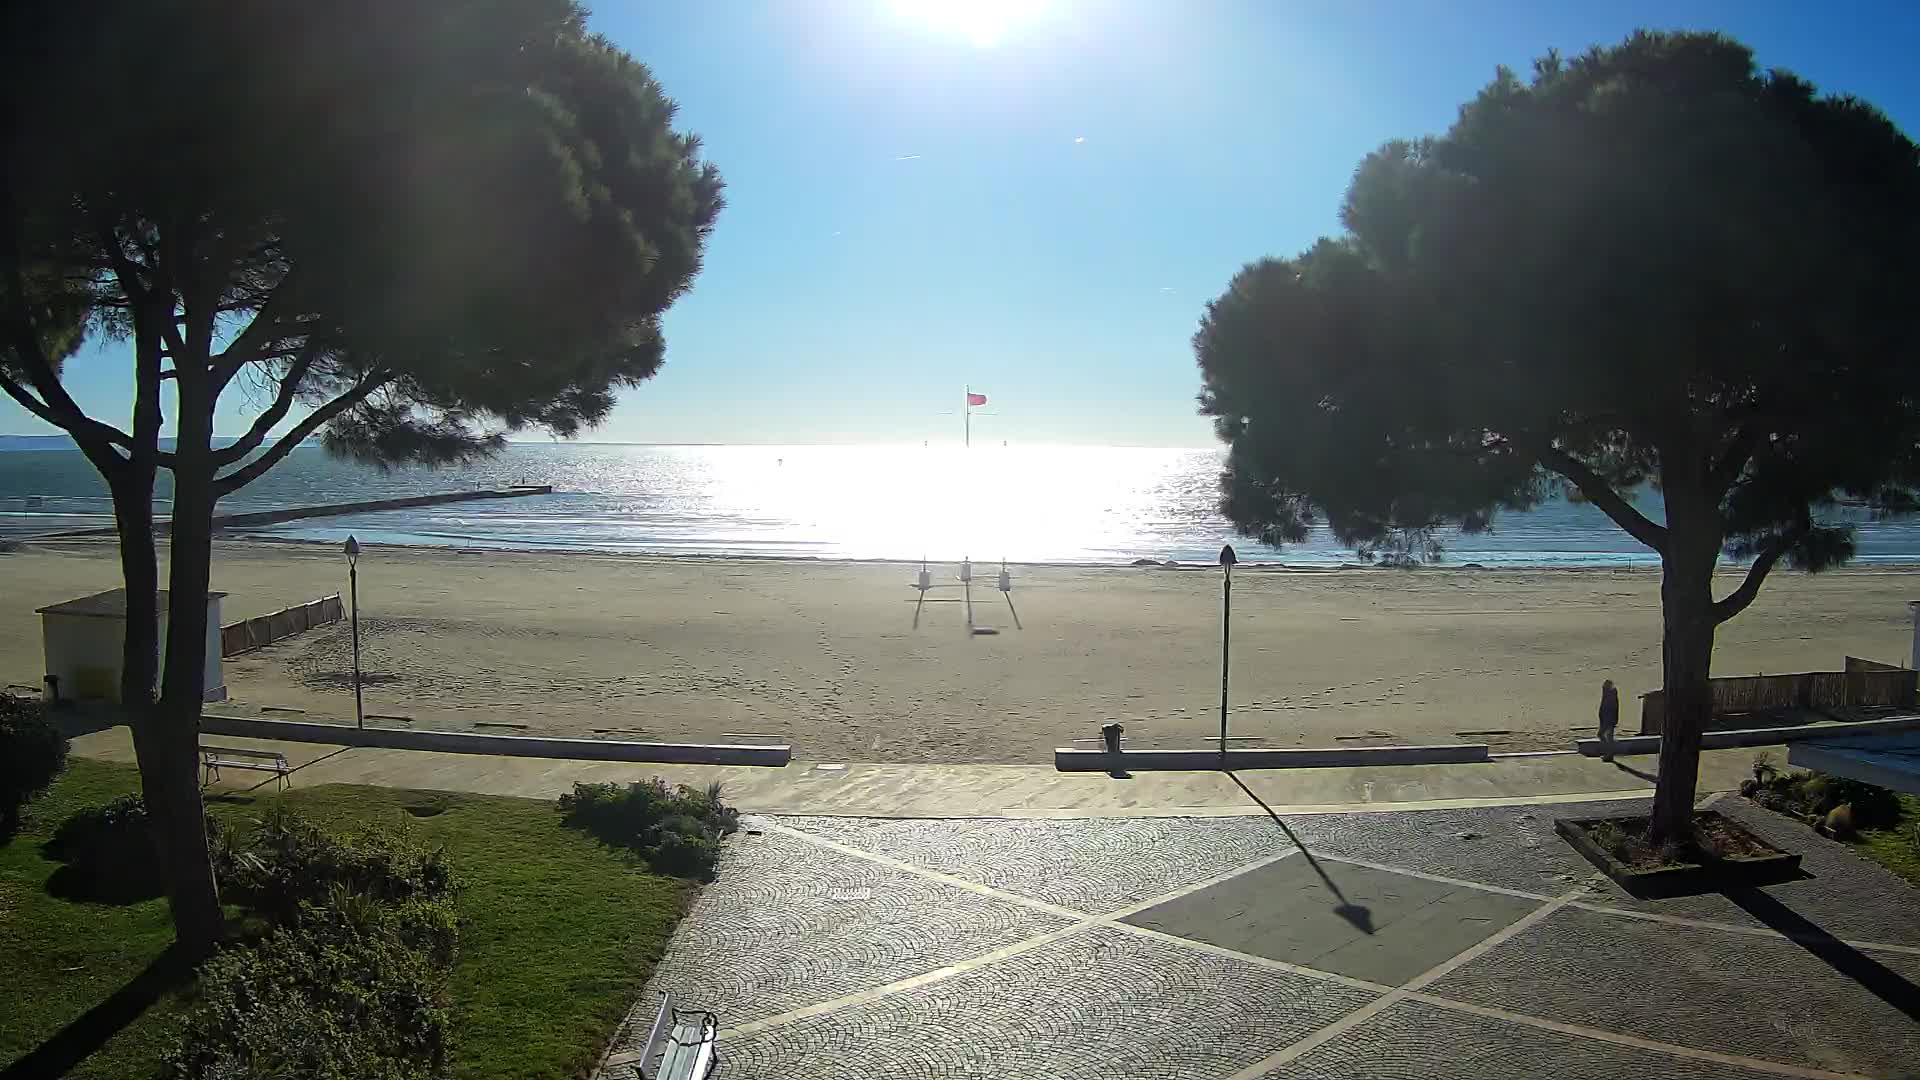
(925, 580)
(1914, 660)
(1006, 578)
(966, 570)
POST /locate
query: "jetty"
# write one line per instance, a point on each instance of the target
(296, 513)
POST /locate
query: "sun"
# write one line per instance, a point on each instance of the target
(983, 22)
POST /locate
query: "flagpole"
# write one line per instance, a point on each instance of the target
(966, 410)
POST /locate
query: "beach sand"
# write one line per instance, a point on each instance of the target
(826, 655)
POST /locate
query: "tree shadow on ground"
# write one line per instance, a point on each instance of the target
(1359, 915)
(1626, 768)
(99, 885)
(74, 1043)
(1877, 979)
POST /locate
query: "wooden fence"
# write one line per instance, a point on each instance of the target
(250, 634)
(1864, 682)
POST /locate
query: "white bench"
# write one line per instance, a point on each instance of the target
(215, 758)
(685, 1045)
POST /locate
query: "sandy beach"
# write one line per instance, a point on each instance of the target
(826, 655)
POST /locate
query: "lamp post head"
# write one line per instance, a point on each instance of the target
(353, 550)
(1227, 557)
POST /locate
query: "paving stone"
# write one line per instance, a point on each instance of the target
(788, 924)
(1757, 997)
(1099, 1005)
(1354, 921)
(1416, 1041)
(1513, 847)
(1094, 866)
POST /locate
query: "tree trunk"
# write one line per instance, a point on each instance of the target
(140, 570)
(1686, 655)
(172, 788)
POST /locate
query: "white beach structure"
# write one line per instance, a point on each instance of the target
(83, 641)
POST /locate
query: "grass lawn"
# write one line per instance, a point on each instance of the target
(558, 933)
(1896, 848)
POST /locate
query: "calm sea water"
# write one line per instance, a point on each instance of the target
(1028, 504)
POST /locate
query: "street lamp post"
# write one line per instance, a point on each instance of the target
(1227, 559)
(353, 591)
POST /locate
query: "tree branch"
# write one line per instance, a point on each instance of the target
(276, 412)
(1739, 451)
(239, 478)
(252, 343)
(1601, 494)
(1736, 601)
(28, 402)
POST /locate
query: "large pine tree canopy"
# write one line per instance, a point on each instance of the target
(1651, 263)
(428, 221)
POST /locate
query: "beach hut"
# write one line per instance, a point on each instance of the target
(83, 641)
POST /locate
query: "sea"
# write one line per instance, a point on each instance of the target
(1027, 504)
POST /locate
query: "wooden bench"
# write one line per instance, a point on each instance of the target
(215, 758)
(684, 1043)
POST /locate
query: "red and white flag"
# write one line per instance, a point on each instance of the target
(976, 399)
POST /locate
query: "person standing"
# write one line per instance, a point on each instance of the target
(1609, 717)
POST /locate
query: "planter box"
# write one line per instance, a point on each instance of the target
(1684, 878)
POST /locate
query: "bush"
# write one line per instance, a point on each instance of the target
(1873, 807)
(678, 830)
(351, 982)
(111, 852)
(32, 753)
(289, 861)
(349, 989)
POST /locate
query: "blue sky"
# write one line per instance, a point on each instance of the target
(1037, 197)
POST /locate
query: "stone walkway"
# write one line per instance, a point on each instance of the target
(1445, 943)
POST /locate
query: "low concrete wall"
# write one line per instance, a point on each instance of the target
(462, 742)
(1074, 759)
(1723, 740)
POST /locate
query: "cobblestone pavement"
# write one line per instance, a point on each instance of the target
(1430, 944)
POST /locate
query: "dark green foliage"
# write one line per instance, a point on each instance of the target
(1651, 262)
(1813, 797)
(112, 854)
(352, 979)
(32, 753)
(480, 208)
(288, 862)
(349, 989)
(1873, 807)
(678, 830)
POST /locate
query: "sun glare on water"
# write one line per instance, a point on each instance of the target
(982, 22)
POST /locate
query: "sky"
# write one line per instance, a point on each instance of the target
(1036, 198)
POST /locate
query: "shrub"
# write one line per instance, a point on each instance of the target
(1814, 796)
(112, 854)
(351, 988)
(289, 861)
(32, 753)
(1839, 822)
(678, 830)
(1873, 807)
(351, 982)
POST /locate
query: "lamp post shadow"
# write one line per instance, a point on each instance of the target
(1358, 914)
